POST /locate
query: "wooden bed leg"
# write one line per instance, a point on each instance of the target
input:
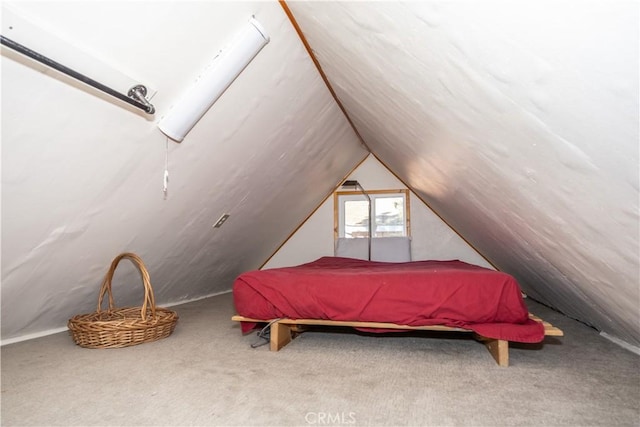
(280, 336)
(499, 349)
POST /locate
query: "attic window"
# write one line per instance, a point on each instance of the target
(390, 214)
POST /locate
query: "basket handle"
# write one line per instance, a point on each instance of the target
(149, 300)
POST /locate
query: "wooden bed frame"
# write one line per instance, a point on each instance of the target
(283, 331)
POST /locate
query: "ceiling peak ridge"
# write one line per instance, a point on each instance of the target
(307, 46)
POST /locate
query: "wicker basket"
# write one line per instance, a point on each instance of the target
(122, 327)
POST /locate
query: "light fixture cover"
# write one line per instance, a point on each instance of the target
(183, 116)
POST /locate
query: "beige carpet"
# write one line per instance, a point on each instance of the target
(206, 373)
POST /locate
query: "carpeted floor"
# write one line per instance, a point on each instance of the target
(206, 374)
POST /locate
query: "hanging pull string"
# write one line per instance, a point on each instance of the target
(165, 188)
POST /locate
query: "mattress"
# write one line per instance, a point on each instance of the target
(418, 293)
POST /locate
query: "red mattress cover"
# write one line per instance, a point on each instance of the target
(418, 293)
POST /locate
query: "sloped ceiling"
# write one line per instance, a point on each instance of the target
(517, 122)
(82, 175)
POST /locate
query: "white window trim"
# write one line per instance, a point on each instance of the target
(342, 196)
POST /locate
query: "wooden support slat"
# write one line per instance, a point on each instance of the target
(549, 329)
(297, 329)
(351, 324)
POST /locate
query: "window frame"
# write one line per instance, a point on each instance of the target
(373, 194)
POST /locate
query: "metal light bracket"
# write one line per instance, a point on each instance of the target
(139, 93)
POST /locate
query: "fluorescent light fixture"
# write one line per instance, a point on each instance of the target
(216, 79)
